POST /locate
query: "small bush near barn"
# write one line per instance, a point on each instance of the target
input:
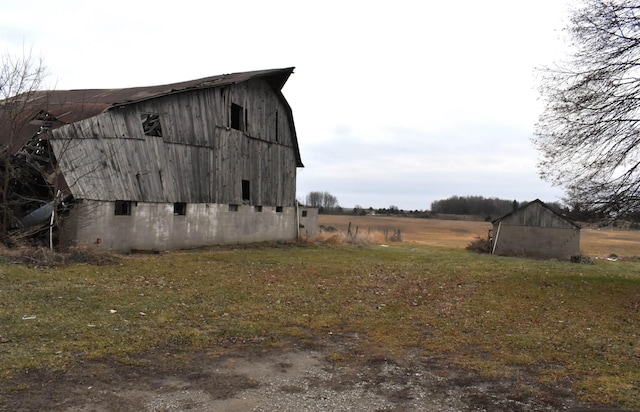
(480, 245)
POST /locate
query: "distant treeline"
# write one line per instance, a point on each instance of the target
(474, 205)
(489, 207)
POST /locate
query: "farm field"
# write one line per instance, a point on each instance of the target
(420, 325)
(458, 233)
(435, 232)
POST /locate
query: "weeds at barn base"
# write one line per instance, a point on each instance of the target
(45, 257)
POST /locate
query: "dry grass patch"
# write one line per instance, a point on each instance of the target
(44, 257)
(598, 243)
(604, 242)
(362, 238)
(491, 315)
(436, 232)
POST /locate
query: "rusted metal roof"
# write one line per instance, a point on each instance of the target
(69, 106)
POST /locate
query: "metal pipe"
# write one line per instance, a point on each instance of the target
(495, 240)
(297, 220)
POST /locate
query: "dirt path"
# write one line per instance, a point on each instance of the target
(294, 379)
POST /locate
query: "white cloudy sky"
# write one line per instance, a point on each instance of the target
(395, 103)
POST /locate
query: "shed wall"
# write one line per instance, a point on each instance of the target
(536, 241)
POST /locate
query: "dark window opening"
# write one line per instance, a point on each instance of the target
(151, 124)
(278, 209)
(238, 117)
(246, 191)
(304, 213)
(233, 208)
(180, 209)
(258, 208)
(122, 208)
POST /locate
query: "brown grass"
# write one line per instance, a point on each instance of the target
(435, 232)
(599, 243)
(602, 243)
(44, 257)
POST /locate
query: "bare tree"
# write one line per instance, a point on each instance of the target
(20, 78)
(324, 201)
(329, 201)
(36, 194)
(589, 132)
(314, 199)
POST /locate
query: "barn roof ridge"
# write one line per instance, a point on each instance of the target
(107, 98)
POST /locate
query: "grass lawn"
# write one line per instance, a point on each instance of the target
(571, 324)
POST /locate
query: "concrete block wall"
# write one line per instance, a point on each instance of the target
(154, 226)
(308, 221)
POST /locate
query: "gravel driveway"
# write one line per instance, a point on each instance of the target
(291, 379)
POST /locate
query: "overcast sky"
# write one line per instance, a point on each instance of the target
(395, 103)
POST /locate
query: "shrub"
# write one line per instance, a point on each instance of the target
(480, 245)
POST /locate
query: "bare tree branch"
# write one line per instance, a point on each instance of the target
(589, 132)
(20, 78)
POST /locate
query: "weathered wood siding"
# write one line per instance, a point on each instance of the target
(198, 159)
(535, 214)
(539, 242)
(536, 231)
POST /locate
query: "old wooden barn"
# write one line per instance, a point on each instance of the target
(535, 230)
(207, 161)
